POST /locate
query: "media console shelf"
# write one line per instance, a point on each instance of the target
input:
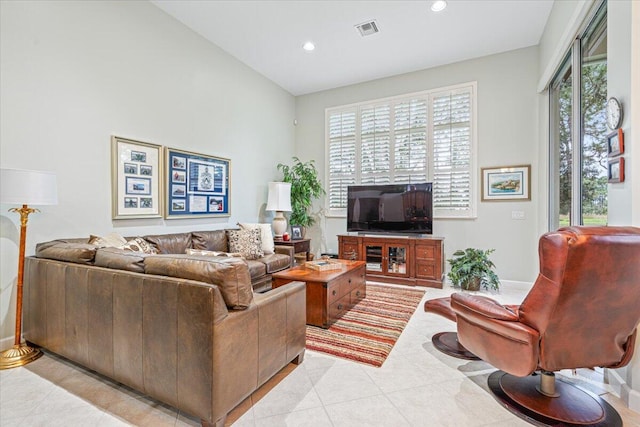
(407, 260)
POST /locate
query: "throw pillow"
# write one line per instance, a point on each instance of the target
(202, 252)
(265, 233)
(111, 240)
(138, 244)
(247, 242)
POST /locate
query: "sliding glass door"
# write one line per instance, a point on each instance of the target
(578, 131)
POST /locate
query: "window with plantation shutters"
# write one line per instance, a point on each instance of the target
(452, 152)
(342, 157)
(421, 137)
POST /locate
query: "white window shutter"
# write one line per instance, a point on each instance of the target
(421, 137)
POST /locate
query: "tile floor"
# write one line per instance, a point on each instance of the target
(416, 386)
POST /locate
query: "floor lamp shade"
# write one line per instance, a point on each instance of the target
(24, 187)
(279, 200)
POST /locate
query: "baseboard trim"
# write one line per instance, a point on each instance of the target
(6, 343)
(628, 395)
(517, 285)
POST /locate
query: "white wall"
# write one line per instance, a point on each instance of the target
(507, 135)
(74, 73)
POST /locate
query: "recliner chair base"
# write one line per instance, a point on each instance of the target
(447, 342)
(574, 406)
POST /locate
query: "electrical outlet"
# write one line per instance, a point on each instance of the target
(517, 214)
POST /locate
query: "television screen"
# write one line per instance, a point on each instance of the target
(390, 208)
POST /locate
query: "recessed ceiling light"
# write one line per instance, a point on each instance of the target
(308, 46)
(438, 5)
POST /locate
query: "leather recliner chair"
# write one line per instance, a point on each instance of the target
(582, 311)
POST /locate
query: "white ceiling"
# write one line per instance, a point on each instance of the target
(268, 35)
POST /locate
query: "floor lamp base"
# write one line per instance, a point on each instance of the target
(18, 355)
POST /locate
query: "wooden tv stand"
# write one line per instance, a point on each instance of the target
(407, 260)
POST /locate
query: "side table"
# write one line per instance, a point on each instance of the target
(301, 245)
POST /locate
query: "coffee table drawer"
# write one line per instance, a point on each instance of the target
(338, 308)
(358, 294)
(334, 291)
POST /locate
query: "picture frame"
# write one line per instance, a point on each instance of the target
(505, 183)
(296, 232)
(136, 179)
(616, 170)
(615, 143)
(198, 185)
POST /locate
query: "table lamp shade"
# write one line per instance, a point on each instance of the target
(27, 187)
(279, 196)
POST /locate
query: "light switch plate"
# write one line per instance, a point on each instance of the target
(517, 215)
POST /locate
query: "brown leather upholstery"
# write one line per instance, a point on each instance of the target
(176, 243)
(582, 311)
(215, 240)
(171, 338)
(441, 306)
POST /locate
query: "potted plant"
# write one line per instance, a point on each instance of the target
(305, 186)
(472, 269)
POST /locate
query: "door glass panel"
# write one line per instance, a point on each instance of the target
(373, 258)
(594, 128)
(397, 257)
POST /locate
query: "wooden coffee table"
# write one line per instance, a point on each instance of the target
(330, 293)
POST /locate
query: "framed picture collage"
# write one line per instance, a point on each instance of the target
(151, 181)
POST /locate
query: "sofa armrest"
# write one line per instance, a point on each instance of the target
(286, 250)
(282, 314)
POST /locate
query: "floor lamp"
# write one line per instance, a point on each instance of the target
(279, 200)
(24, 187)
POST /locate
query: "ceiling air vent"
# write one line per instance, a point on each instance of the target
(368, 28)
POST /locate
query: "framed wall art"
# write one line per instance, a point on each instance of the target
(506, 183)
(136, 179)
(616, 170)
(197, 185)
(615, 143)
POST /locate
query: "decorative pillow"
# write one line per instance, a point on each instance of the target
(247, 242)
(138, 244)
(111, 240)
(202, 252)
(265, 234)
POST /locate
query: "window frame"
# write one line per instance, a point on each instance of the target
(440, 213)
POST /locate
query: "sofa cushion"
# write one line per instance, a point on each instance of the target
(256, 268)
(215, 240)
(120, 259)
(230, 274)
(247, 242)
(265, 234)
(138, 244)
(79, 253)
(275, 262)
(175, 243)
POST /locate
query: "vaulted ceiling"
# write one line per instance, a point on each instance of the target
(268, 35)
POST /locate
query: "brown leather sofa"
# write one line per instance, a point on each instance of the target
(164, 324)
(260, 269)
(583, 311)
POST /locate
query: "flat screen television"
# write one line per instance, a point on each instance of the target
(390, 208)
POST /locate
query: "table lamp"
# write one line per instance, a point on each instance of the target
(279, 200)
(24, 187)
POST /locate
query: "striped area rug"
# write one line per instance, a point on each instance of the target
(368, 331)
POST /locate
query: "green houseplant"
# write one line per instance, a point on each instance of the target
(305, 186)
(472, 269)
